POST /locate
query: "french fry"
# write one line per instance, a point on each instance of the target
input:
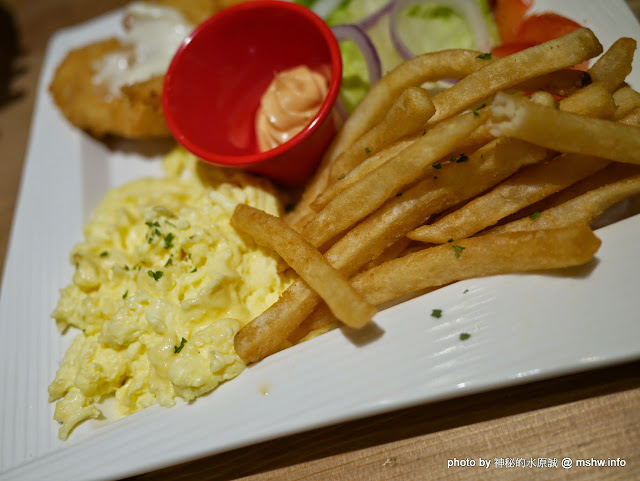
(479, 137)
(385, 175)
(483, 256)
(517, 192)
(626, 100)
(357, 173)
(386, 181)
(527, 187)
(267, 333)
(372, 109)
(407, 115)
(614, 65)
(584, 209)
(564, 131)
(543, 98)
(455, 182)
(606, 75)
(428, 67)
(452, 183)
(309, 264)
(561, 82)
(474, 87)
(631, 118)
(514, 69)
(612, 173)
(320, 318)
(591, 101)
(394, 250)
(478, 257)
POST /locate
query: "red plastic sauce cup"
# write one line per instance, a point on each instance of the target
(214, 84)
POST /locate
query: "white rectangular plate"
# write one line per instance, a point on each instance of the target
(523, 327)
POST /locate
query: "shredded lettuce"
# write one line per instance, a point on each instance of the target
(446, 28)
(355, 79)
(424, 28)
(306, 3)
(351, 11)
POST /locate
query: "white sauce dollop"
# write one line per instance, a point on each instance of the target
(152, 35)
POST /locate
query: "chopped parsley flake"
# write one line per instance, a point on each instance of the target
(104, 254)
(484, 56)
(450, 240)
(156, 275)
(535, 216)
(341, 177)
(367, 150)
(154, 231)
(465, 291)
(464, 336)
(458, 249)
(168, 240)
(475, 111)
(437, 313)
(462, 158)
(398, 194)
(195, 269)
(169, 261)
(124, 296)
(436, 165)
(177, 349)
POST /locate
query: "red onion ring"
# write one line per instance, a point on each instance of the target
(356, 34)
(369, 21)
(340, 109)
(467, 8)
(364, 43)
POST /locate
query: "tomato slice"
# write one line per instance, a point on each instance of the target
(509, 15)
(519, 31)
(543, 27)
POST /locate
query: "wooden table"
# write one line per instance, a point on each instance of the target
(590, 415)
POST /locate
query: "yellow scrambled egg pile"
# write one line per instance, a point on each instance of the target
(162, 284)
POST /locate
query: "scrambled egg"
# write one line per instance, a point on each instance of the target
(162, 284)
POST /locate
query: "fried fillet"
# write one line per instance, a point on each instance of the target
(196, 11)
(137, 113)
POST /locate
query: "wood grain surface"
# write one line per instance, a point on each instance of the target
(583, 416)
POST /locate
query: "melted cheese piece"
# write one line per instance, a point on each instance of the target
(290, 102)
(153, 33)
(162, 284)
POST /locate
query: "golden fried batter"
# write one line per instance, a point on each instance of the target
(196, 11)
(135, 114)
(136, 110)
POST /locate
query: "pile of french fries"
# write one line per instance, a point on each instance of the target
(506, 171)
